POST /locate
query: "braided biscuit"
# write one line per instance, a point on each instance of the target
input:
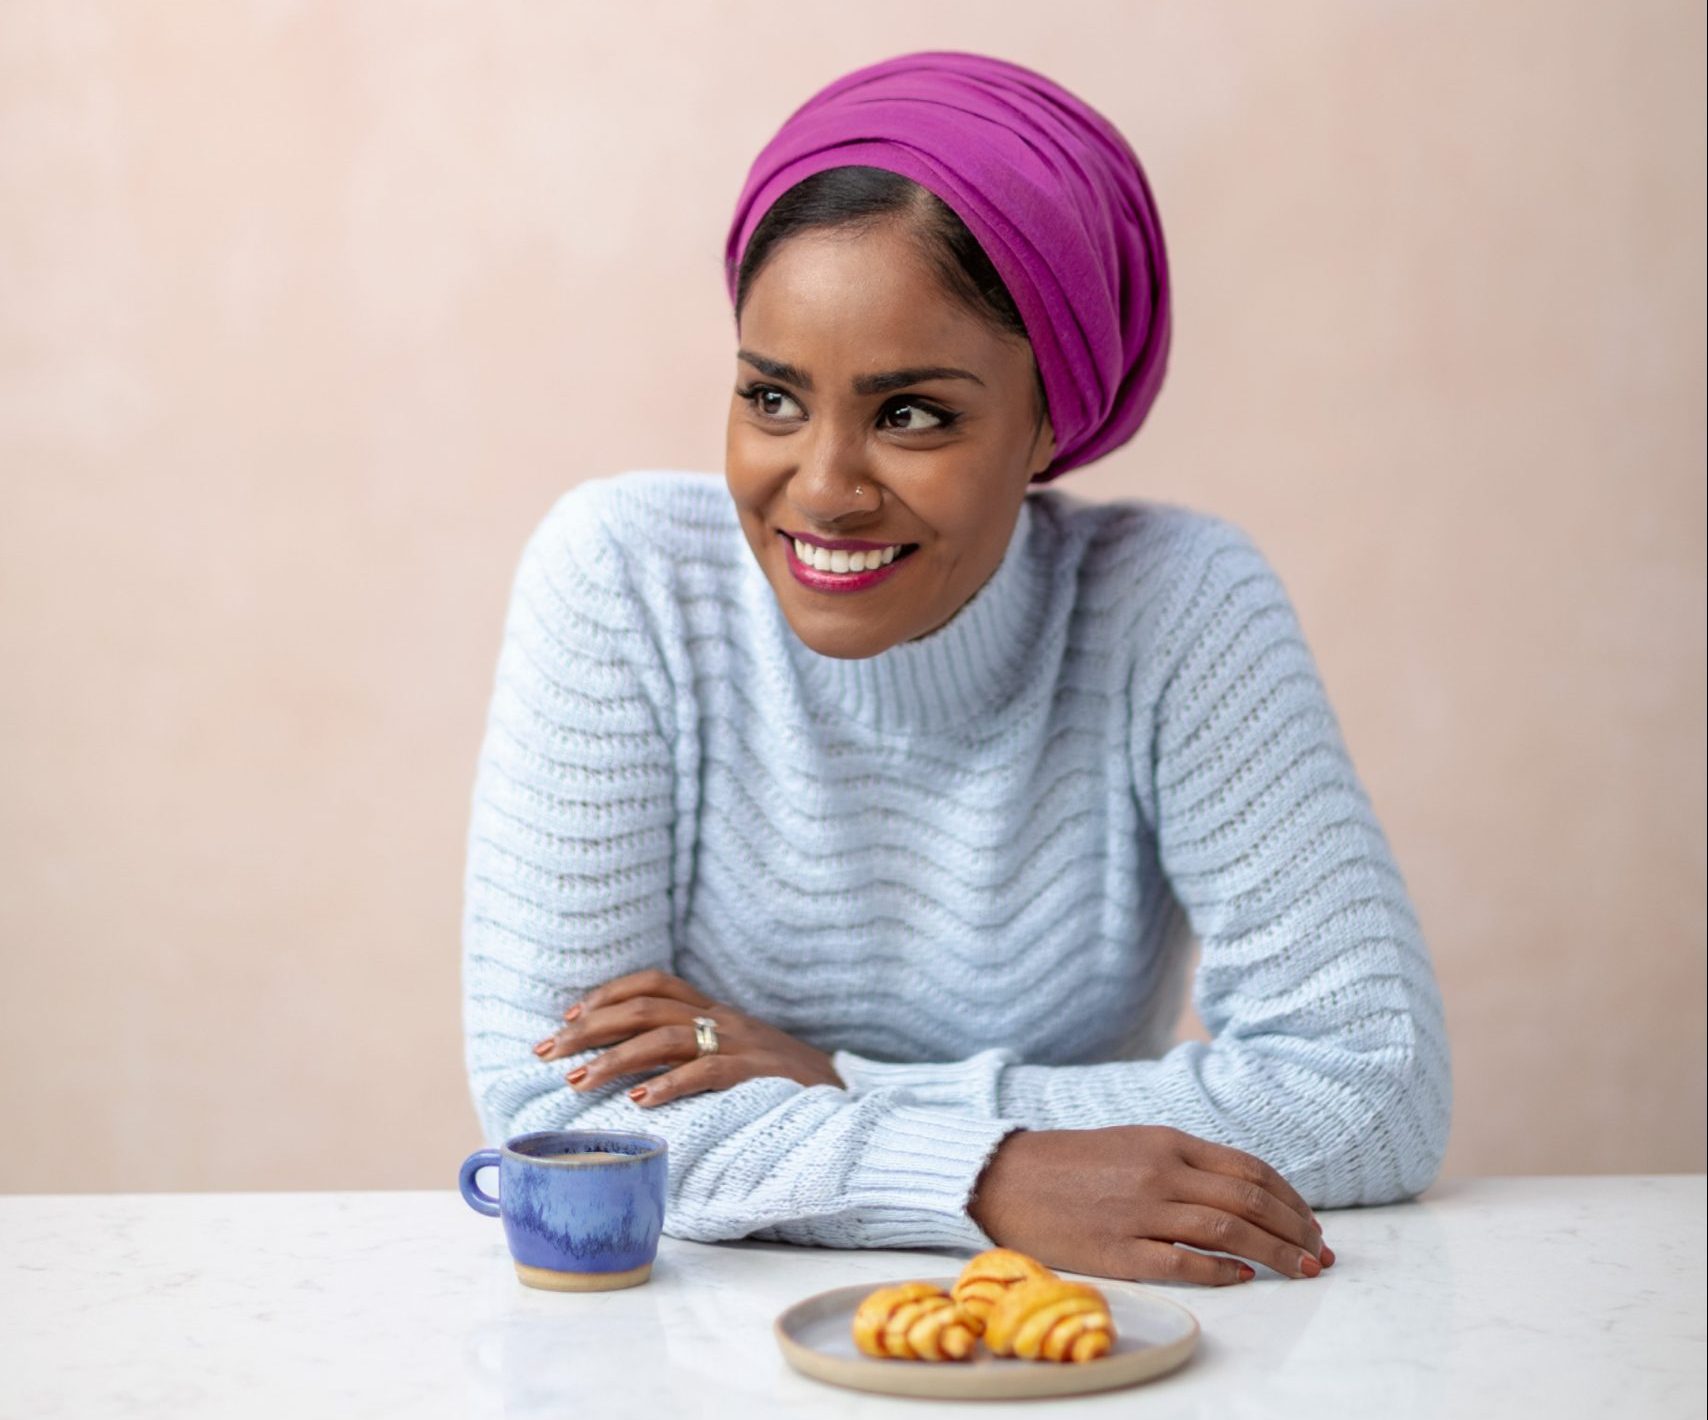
(913, 1321)
(986, 1279)
(1049, 1319)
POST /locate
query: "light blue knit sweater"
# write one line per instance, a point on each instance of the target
(969, 866)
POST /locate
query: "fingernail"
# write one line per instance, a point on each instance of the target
(638, 1092)
(576, 1076)
(572, 1012)
(1309, 1265)
(1246, 1273)
(1328, 1255)
(542, 1047)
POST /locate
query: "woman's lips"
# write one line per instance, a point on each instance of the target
(841, 581)
(845, 544)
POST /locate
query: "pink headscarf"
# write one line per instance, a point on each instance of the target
(1047, 186)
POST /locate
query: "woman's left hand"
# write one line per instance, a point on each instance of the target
(652, 1014)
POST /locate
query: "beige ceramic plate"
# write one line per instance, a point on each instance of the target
(1152, 1336)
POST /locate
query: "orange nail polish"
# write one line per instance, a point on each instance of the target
(576, 1076)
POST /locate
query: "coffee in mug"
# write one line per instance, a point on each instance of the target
(582, 1208)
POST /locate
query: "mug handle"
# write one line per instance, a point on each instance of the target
(481, 1202)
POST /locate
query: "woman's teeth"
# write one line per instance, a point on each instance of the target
(822, 559)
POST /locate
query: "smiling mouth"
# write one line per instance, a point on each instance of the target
(845, 562)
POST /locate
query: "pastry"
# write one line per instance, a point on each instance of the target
(915, 1321)
(987, 1278)
(1049, 1319)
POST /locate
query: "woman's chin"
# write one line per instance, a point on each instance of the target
(849, 626)
(844, 642)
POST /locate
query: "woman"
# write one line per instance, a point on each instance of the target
(839, 820)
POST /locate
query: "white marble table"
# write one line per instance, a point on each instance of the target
(1510, 1296)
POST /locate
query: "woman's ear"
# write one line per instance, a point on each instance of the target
(1043, 447)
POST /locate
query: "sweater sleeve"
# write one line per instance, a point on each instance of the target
(1329, 1054)
(568, 884)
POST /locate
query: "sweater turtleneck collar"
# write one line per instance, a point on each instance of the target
(963, 670)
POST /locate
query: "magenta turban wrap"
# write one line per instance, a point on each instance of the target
(1047, 186)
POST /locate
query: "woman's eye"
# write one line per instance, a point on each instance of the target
(760, 397)
(909, 407)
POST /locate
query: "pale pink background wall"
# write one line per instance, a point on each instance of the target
(308, 312)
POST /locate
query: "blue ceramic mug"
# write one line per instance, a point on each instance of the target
(582, 1208)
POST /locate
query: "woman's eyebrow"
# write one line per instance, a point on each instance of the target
(776, 369)
(899, 379)
(863, 384)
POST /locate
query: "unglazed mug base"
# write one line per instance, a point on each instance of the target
(550, 1281)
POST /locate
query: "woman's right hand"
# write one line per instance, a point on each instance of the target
(1114, 1202)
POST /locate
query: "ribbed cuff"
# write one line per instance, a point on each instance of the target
(916, 1174)
(969, 1085)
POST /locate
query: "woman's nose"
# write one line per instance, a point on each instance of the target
(832, 479)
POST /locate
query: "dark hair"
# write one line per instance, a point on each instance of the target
(862, 197)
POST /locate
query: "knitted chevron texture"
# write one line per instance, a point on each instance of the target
(969, 867)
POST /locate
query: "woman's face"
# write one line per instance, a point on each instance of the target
(872, 409)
